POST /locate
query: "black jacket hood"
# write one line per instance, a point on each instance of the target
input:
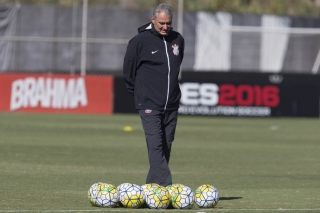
(145, 27)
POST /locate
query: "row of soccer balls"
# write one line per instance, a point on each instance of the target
(152, 195)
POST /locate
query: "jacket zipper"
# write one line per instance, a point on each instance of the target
(168, 89)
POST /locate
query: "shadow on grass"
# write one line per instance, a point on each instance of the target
(230, 198)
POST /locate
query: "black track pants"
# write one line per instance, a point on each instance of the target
(159, 128)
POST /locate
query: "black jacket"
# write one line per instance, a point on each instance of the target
(151, 68)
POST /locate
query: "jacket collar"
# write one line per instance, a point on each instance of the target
(150, 27)
(155, 32)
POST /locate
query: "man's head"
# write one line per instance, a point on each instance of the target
(162, 18)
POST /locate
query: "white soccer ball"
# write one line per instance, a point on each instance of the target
(107, 195)
(207, 196)
(171, 188)
(148, 187)
(158, 198)
(132, 196)
(120, 188)
(123, 186)
(183, 197)
(92, 193)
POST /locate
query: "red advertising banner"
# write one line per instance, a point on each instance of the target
(56, 93)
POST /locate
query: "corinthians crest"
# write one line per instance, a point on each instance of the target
(175, 49)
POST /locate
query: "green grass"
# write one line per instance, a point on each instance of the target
(48, 162)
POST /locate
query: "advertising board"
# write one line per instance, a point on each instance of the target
(239, 94)
(249, 95)
(56, 93)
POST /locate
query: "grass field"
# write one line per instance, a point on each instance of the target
(48, 162)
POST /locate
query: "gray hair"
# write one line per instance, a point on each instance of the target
(162, 8)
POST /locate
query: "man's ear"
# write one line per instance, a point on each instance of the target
(152, 19)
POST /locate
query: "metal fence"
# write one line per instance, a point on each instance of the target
(90, 37)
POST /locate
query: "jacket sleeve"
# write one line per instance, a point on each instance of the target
(130, 65)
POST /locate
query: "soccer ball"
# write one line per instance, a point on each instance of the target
(171, 188)
(123, 186)
(158, 198)
(183, 197)
(149, 187)
(120, 188)
(92, 193)
(206, 196)
(132, 196)
(107, 195)
(146, 188)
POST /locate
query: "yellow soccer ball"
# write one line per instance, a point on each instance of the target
(171, 188)
(107, 195)
(92, 193)
(132, 196)
(149, 187)
(158, 198)
(206, 196)
(183, 197)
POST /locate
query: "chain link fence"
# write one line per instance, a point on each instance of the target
(65, 37)
(90, 37)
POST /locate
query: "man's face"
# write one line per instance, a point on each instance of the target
(162, 23)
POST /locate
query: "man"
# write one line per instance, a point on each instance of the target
(151, 68)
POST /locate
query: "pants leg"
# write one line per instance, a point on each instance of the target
(169, 128)
(159, 135)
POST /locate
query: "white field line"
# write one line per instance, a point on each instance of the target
(145, 210)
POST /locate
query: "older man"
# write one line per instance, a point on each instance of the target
(151, 68)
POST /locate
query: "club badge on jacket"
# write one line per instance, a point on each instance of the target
(175, 49)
